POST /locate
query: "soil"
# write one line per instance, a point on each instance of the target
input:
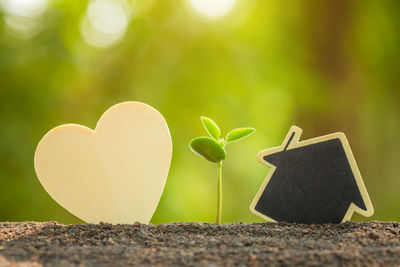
(199, 244)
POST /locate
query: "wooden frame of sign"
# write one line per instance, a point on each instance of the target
(290, 143)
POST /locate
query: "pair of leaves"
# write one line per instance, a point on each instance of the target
(213, 149)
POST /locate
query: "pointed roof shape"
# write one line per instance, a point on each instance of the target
(311, 181)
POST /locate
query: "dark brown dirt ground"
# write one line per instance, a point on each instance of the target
(200, 244)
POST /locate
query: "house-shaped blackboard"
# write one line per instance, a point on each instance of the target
(311, 181)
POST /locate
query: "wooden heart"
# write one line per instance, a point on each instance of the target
(114, 174)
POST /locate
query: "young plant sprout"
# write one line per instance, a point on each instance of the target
(213, 149)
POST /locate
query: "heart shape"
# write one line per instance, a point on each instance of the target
(114, 174)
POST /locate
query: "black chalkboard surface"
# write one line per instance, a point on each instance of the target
(311, 181)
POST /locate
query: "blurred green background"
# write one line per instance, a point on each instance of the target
(325, 66)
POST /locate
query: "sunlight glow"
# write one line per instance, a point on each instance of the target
(24, 8)
(22, 16)
(212, 8)
(105, 22)
(107, 16)
(23, 27)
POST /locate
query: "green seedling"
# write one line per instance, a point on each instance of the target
(213, 149)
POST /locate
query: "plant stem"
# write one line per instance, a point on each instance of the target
(219, 197)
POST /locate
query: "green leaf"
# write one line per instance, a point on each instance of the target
(238, 133)
(208, 148)
(211, 127)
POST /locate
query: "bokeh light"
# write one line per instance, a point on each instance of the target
(23, 16)
(24, 8)
(105, 22)
(212, 8)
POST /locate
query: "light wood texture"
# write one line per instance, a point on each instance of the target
(115, 173)
(295, 143)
